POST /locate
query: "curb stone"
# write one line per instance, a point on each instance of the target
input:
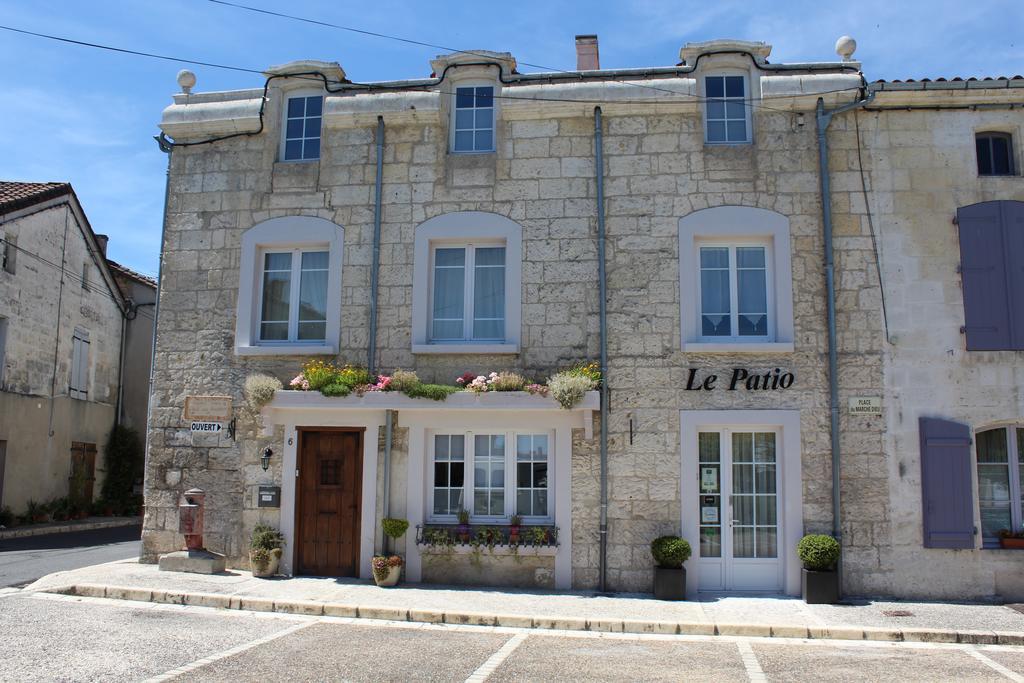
(46, 530)
(313, 608)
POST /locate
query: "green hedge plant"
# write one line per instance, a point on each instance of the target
(395, 528)
(670, 552)
(818, 552)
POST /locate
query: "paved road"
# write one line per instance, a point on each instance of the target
(23, 560)
(48, 637)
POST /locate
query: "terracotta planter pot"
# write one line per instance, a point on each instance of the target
(1011, 543)
(394, 574)
(270, 569)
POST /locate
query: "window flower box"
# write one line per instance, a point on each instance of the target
(443, 539)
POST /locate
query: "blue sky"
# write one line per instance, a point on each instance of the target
(88, 116)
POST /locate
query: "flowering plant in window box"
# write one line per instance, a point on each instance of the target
(1011, 539)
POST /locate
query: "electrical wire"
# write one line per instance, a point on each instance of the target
(871, 225)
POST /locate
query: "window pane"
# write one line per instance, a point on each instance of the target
(764, 478)
(767, 541)
(313, 296)
(274, 331)
(441, 442)
(708, 446)
(750, 257)
(458, 447)
(276, 294)
(714, 291)
(742, 542)
(463, 119)
(716, 109)
(734, 86)
(294, 129)
(716, 131)
(485, 119)
(735, 110)
(523, 475)
(710, 542)
(764, 447)
(313, 127)
(737, 131)
(714, 86)
(484, 141)
(540, 474)
(1000, 156)
(742, 447)
(278, 261)
(440, 474)
(312, 331)
(540, 503)
(463, 98)
(485, 96)
(440, 501)
(743, 510)
(523, 502)
(311, 149)
(449, 293)
(991, 445)
(293, 149)
(314, 105)
(766, 510)
(714, 257)
(296, 107)
(752, 291)
(458, 475)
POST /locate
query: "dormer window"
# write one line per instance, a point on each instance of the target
(726, 114)
(472, 127)
(995, 153)
(303, 117)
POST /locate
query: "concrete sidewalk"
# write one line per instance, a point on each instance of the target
(768, 616)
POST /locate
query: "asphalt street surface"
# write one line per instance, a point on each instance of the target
(23, 560)
(52, 637)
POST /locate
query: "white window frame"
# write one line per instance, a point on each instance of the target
(78, 385)
(285, 234)
(494, 116)
(288, 96)
(466, 227)
(736, 225)
(294, 292)
(468, 289)
(746, 105)
(511, 476)
(736, 337)
(1014, 472)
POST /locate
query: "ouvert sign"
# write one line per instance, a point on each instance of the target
(772, 380)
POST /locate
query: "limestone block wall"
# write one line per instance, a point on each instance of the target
(921, 168)
(38, 419)
(657, 170)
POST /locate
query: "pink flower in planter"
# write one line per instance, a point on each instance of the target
(300, 382)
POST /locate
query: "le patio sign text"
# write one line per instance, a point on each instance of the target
(742, 378)
(207, 409)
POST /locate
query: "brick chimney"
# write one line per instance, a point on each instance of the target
(587, 58)
(101, 241)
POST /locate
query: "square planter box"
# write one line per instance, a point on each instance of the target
(819, 588)
(1014, 543)
(669, 584)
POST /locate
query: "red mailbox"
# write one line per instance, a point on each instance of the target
(190, 518)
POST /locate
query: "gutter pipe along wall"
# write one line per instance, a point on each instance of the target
(603, 308)
(824, 118)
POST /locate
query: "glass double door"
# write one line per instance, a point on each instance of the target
(737, 486)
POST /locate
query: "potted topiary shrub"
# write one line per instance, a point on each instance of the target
(819, 582)
(463, 529)
(265, 550)
(670, 552)
(387, 568)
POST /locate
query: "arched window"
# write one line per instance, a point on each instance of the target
(289, 288)
(735, 280)
(1000, 462)
(467, 284)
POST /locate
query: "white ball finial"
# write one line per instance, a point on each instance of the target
(845, 47)
(186, 80)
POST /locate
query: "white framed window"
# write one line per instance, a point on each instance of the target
(303, 122)
(293, 295)
(1000, 463)
(726, 109)
(492, 473)
(735, 281)
(467, 284)
(468, 293)
(734, 291)
(472, 127)
(78, 387)
(289, 292)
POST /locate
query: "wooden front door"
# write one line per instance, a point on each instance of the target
(329, 502)
(83, 474)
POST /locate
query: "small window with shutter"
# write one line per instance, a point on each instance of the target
(992, 272)
(946, 495)
(1000, 457)
(995, 153)
(79, 385)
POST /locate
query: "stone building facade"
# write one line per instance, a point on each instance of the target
(717, 335)
(60, 347)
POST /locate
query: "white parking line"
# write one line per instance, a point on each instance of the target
(992, 664)
(754, 671)
(174, 673)
(494, 661)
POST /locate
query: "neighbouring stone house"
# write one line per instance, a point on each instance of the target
(483, 186)
(62, 320)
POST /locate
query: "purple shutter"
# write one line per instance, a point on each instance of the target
(983, 272)
(1013, 238)
(948, 501)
